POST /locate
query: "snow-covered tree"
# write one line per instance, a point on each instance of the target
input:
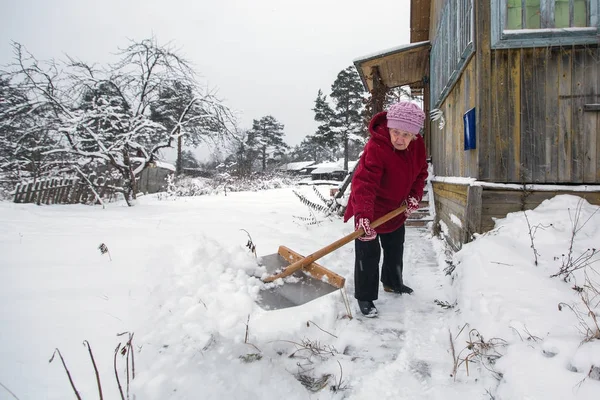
(343, 125)
(265, 139)
(104, 115)
(205, 120)
(27, 132)
(312, 149)
(348, 123)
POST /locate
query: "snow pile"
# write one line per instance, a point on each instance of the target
(509, 308)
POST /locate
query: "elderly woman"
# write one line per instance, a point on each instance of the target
(391, 172)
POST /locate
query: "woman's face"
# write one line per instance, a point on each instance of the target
(400, 139)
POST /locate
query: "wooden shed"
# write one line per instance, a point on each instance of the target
(515, 85)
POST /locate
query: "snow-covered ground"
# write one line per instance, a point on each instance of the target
(178, 276)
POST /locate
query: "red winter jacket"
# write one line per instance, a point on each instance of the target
(385, 177)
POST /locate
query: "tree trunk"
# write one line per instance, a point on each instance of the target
(264, 159)
(346, 154)
(179, 166)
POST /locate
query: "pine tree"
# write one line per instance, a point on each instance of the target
(189, 128)
(266, 139)
(343, 126)
(347, 123)
(323, 115)
(311, 149)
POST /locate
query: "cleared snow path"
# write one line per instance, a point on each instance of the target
(407, 352)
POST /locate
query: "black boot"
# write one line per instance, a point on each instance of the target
(402, 289)
(367, 308)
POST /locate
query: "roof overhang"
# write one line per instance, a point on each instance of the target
(406, 65)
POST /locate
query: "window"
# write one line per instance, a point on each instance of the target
(530, 23)
(452, 47)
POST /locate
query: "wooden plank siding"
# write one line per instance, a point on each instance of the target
(451, 200)
(476, 206)
(485, 88)
(447, 145)
(497, 203)
(539, 131)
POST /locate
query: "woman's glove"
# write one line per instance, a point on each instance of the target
(370, 233)
(412, 205)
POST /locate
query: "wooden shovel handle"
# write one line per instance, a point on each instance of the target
(290, 269)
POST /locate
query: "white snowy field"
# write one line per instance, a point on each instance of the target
(177, 275)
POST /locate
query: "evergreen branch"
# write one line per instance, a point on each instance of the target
(311, 204)
(320, 196)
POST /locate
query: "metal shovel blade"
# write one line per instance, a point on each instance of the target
(304, 285)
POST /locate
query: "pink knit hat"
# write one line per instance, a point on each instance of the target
(406, 116)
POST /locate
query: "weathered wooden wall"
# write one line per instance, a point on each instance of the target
(466, 209)
(540, 132)
(447, 145)
(496, 203)
(450, 200)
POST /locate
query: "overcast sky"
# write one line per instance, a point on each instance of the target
(265, 57)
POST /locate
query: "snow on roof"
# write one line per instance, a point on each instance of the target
(165, 165)
(332, 166)
(541, 187)
(388, 51)
(327, 167)
(296, 166)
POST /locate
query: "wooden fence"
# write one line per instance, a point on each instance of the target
(63, 191)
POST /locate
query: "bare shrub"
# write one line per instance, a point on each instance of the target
(478, 350)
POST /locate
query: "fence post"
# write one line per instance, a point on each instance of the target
(18, 192)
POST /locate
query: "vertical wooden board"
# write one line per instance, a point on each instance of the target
(484, 90)
(66, 198)
(579, 87)
(40, 192)
(457, 143)
(452, 142)
(564, 116)
(473, 212)
(499, 114)
(551, 118)
(49, 191)
(474, 154)
(28, 191)
(539, 164)
(447, 133)
(466, 160)
(590, 119)
(595, 122)
(18, 193)
(527, 117)
(461, 105)
(514, 114)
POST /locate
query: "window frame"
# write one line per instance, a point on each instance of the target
(519, 38)
(444, 75)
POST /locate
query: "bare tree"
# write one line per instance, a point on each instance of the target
(104, 115)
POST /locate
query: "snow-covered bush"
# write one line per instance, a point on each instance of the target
(187, 186)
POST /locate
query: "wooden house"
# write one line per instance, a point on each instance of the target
(515, 89)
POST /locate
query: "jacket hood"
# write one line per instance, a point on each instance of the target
(378, 128)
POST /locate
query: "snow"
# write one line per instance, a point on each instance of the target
(389, 51)
(332, 166)
(178, 276)
(493, 185)
(456, 221)
(165, 165)
(296, 166)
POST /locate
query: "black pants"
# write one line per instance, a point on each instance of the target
(366, 265)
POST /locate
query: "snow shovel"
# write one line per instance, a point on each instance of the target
(309, 280)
